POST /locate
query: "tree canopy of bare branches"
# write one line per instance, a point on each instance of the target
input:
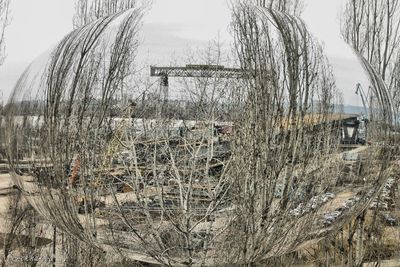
(87, 11)
(293, 7)
(372, 28)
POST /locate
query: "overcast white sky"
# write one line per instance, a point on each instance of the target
(171, 25)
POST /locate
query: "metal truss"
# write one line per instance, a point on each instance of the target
(206, 71)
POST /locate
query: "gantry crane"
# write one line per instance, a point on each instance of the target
(205, 71)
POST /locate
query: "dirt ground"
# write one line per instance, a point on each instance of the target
(5, 190)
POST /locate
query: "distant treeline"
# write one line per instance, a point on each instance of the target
(146, 108)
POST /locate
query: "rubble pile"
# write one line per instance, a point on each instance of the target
(312, 205)
(384, 201)
(331, 217)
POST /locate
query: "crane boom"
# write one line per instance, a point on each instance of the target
(363, 128)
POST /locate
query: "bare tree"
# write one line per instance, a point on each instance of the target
(372, 28)
(287, 74)
(4, 20)
(90, 64)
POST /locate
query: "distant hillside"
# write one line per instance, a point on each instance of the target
(349, 109)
